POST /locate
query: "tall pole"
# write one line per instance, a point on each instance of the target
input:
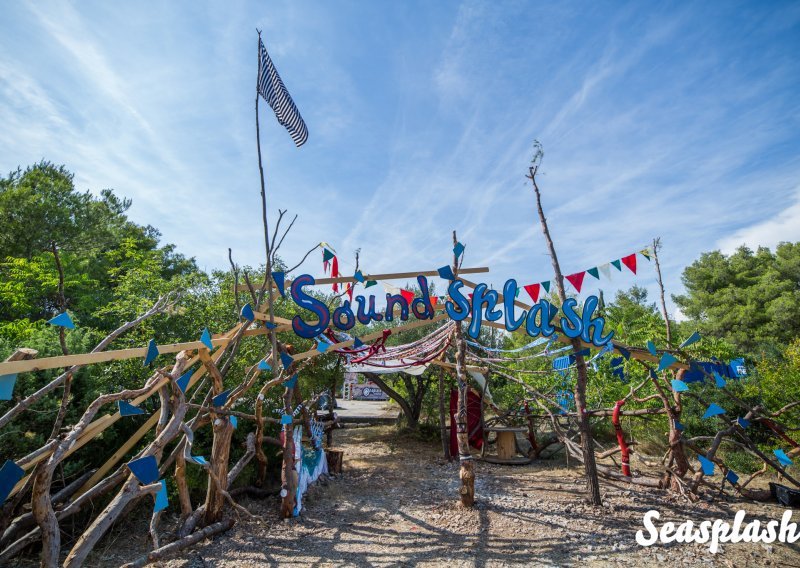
(587, 450)
(656, 246)
(467, 470)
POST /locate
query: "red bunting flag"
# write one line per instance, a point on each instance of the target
(630, 262)
(434, 301)
(533, 291)
(350, 289)
(576, 279)
(409, 296)
(335, 273)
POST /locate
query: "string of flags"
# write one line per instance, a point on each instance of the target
(576, 279)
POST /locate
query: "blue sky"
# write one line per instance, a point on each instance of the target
(675, 120)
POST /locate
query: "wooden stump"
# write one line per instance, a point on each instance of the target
(506, 444)
(335, 458)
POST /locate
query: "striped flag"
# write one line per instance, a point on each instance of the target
(271, 87)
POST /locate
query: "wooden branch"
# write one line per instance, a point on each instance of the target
(164, 551)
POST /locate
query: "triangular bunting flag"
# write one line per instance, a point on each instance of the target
(291, 383)
(446, 272)
(199, 460)
(264, 366)
(162, 501)
(742, 422)
(247, 312)
(145, 469)
(606, 270)
(707, 465)
(152, 352)
(546, 286)
(62, 320)
(630, 262)
(10, 475)
(205, 339)
(286, 359)
(280, 280)
(286, 419)
(645, 253)
(679, 386)
(127, 409)
(270, 325)
(651, 347)
(533, 291)
(359, 276)
(7, 383)
(322, 347)
(624, 352)
(713, 410)
(679, 427)
(221, 398)
(357, 343)
(234, 422)
(576, 280)
(719, 381)
(408, 295)
(666, 361)
(458, 250)
(732, 477)
(594, 272)
(327, 255)
(694, 338)
(371, 283)
(183, 380)
(617, 265)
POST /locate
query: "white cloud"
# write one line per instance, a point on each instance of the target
(784, 225)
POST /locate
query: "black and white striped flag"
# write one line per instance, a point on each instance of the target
(271, 87)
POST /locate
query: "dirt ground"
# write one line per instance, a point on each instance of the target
(395, 505)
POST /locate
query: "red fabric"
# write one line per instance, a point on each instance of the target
(408, 295)
(434, 301)
(533, 291)
(335, 273)
(577, 279)
(630, 262)
(474, 426)
(350, 288)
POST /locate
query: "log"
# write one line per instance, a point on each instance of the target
(335, 458)
(194, 538)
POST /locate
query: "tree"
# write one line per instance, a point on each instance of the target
(751, 299)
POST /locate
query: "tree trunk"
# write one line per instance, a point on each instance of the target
(587, 449)
(220, 453)
(442, 420)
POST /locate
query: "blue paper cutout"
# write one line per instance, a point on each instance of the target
(62, 320)
(234, 422)
(270, 325)
(713, 410)
(199, 460)
(221, 398)
(707, 465)
(446, 272)
(183, 380)
(651, 347)
(10, 474)
(358, 343)
(145, 469)
(732, 477)
(742, 422)
(161, 497)
(359, 276)
(583, 352)
(205, 339)
(679, 386)
(286, 359)
(286, 419)
(264, 366)
(666, 361)
(291, 383)
(624, 352)
(7, 383)
(152, 352)
(782, 458)
(247, 312)
(616, 361)
(679, 427)
(458, 249)
(322, 347)
(694, 338)
(127, 409)
(720, 382)
(280, 282)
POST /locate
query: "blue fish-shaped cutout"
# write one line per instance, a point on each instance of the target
(719, 381)
(286, 359)
(713, 410)
(183, 380)
(248, 313)
(199, 460)
(694, 338)
(651, 347)
(10, 474)
(205, 339)
(127, 409)
(782, 458)
(679, 386)
(446, 272)
(221, 398)
(152, 352)
(264, 366)
(707, 465)
(62, 320)
(7, 383)
(666, 361)
(145, 469)
(624, 352)
(458, 250)
(162, 500)
(732, 477)
(280, 281)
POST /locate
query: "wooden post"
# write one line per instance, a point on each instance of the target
(590, 466)
(442, 419)
(467, 470)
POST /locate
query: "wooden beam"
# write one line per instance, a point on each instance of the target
(390, 276)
